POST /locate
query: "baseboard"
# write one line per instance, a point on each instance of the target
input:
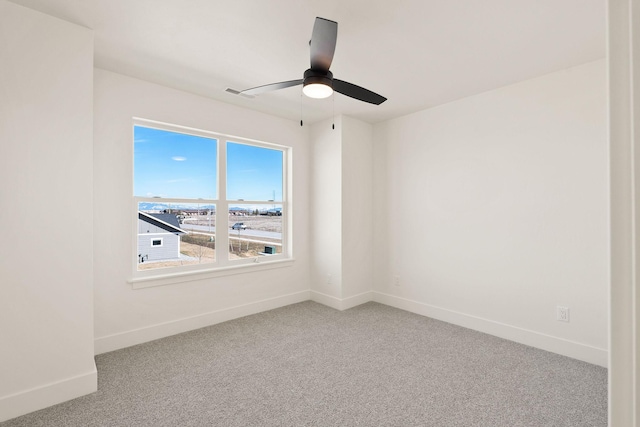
(356, 300)
(162, 330)
(341, 303)
(37, 398)
(575, 350)
(328, 300)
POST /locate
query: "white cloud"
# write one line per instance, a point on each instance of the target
(179, 158)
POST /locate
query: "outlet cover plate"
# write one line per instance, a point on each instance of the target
(562, 313)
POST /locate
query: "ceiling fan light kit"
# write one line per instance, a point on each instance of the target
(317, 84)
(317, 90)
(318, 81)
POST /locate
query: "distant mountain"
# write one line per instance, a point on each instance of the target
(159, 207)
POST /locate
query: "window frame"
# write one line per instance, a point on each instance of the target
(222, 264)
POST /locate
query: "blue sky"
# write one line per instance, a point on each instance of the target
(174, 165)
(253, 173)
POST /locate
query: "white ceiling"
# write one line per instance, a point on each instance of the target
(417, 53)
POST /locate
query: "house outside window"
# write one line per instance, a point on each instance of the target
(206, 201)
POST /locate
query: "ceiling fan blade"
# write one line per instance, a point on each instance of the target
(357, 92)
(323, 43)
(268, 88)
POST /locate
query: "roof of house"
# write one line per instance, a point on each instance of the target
(167, 222)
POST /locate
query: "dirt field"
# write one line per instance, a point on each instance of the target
(254, 222)
(259, 222)
(246, 249)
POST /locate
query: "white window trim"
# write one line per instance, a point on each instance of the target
(202, 274)
(157, 238)
(222, 266)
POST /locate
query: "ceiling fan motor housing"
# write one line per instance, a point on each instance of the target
(323, 77)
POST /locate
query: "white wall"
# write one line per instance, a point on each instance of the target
(126, 316)
(326, 210)
(46, 262)
(357, 208)
(342, 218)
(495, 210)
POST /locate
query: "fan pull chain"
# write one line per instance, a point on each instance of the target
(300, 108)
(333, 125)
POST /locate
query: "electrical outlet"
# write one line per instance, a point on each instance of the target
(396, 280)
(562, 313)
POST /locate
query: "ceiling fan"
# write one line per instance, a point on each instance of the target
(318, 81)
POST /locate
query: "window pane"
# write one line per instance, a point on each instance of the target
(254, 231)
(253, 173)
(174, 234)
(174, 165)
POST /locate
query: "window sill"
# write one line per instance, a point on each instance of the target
(189, 276)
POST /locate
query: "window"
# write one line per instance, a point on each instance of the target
(204, 201)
